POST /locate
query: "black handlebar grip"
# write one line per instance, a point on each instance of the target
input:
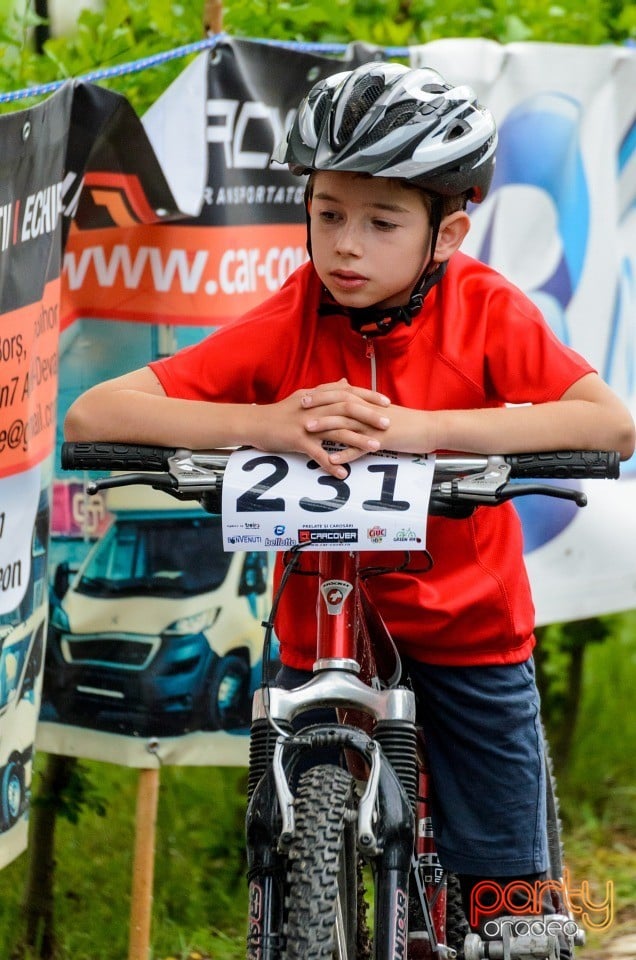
(566, 465)
(115, 456)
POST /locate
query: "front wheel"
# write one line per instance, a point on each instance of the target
(323, 908)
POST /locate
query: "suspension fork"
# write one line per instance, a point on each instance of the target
(335, 684)
(266, 865)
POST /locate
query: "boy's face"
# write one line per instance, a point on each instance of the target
(369, 238)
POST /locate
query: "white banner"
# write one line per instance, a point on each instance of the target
(560, 222)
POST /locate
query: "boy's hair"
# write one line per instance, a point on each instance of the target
(447, 204)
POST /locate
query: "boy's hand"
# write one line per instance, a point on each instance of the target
(337, 412)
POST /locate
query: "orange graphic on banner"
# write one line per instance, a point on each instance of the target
(177, 274)
(115, 205)
(28, 382)
(122, 195)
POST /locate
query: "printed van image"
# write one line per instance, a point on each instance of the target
(159, 631)
(22, 635)
(21, 649)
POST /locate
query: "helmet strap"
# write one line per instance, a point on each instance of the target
(308, 216)
(435, 218)
(378, 321)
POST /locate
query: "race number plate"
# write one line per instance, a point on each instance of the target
(274, 501)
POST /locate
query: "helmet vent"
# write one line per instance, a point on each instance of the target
(319, 113)
(397, 115)
(457, 130)
(365, 93)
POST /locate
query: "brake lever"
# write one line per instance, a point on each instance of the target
(158, 481)
(460, 498)
(543, 489)
(208, 499)
(492, 485)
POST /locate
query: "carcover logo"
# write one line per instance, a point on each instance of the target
(336, 535)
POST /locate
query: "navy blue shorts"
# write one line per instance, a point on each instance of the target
(485, 747)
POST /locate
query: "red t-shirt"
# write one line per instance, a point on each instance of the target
(478, 342)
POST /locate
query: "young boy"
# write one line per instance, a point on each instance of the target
(391, 338)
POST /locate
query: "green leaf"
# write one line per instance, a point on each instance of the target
(516, 30)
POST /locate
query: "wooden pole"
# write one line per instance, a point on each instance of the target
(143, 864)
(212, 17)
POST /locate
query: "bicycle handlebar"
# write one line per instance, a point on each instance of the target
(115, 456)
(561, 464)
(460, 481)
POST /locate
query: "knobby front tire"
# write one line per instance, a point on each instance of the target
(323, 883)
(457, 926)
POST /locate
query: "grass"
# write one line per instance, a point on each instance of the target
(598, 789)
(200, 901)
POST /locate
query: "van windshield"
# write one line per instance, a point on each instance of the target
(12, 657)
(174, 557)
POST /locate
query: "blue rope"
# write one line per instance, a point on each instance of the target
(158, 58)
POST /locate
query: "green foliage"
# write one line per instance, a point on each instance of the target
(598, 784)
(123, 32)
(559, 647)
(19, 67)
(404, 22)
(78, 794)
(199, 890)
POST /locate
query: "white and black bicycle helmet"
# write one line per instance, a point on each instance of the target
(387, 120)
(391, 121)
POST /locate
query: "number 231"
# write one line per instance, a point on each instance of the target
(255, 500)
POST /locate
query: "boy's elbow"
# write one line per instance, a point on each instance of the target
(627, 439)
(77, 423)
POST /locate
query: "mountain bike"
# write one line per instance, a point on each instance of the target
(341, 853)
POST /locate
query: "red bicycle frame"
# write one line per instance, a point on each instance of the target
(338, 628)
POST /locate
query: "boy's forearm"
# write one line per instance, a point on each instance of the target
(572, 424)
(132, 416)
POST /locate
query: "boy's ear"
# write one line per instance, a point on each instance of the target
(452, 231)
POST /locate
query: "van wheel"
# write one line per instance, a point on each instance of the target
(228, 693)
(12, 793)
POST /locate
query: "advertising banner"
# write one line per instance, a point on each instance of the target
(200, 271)
(48, 152)
(560, 222)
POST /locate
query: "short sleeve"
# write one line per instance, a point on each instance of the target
(525, 362)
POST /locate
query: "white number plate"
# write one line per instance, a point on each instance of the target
(272, 501)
